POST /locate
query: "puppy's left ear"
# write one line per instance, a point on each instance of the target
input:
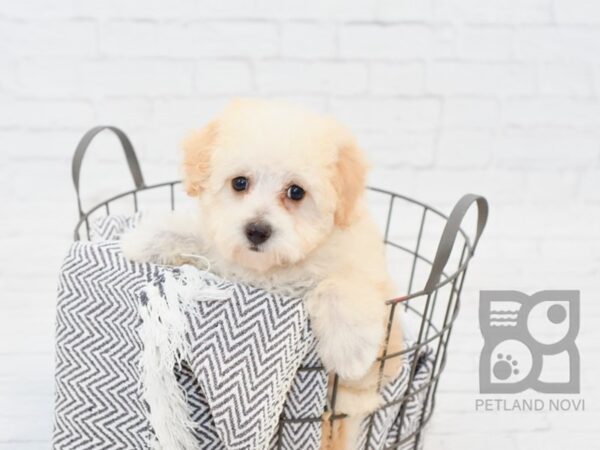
(350, 175)
(197, 152)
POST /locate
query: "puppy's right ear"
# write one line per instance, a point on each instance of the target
(197, 150)
(350, 174)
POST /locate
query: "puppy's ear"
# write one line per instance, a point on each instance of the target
(197, 150)
(350, 174)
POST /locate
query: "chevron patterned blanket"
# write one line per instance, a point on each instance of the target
(149, 357)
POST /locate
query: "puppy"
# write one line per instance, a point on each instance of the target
(280, 193)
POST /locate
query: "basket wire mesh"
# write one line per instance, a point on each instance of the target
(432, 309)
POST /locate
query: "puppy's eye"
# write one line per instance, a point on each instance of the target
(239, 184)
(295, 192)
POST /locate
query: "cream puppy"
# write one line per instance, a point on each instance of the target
(280, 193)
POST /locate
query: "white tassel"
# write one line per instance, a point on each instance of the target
(163, 333)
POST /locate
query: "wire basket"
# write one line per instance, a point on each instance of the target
(435, 257)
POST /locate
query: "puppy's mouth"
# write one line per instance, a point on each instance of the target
(255, 248)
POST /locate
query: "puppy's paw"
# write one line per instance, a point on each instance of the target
(137, 243)
(159, 243)
(347, 355)
(347, 322)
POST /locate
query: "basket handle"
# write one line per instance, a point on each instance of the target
(450, 232)
(132, 161)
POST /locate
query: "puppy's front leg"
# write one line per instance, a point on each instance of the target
(166, 241)
(347, 317)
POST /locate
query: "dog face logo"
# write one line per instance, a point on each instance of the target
(529, 342)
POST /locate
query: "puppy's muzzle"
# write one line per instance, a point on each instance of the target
(258, 232)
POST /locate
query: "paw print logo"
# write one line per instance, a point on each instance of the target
(509, 363)
(523, 334)
(505, 367)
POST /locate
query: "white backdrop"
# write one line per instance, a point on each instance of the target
(499, 97)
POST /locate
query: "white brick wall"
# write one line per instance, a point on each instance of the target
(499, 97)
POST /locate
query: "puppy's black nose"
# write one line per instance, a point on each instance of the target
(258, 232)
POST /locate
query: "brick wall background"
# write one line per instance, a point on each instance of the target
(499, 97)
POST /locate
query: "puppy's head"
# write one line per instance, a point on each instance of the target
(274, 182)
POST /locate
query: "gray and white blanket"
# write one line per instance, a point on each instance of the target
(151, 357)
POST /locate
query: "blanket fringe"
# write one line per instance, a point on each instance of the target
(163, 335)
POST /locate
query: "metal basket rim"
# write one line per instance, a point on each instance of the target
(442, 282)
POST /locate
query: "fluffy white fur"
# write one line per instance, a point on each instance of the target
(324, 247)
